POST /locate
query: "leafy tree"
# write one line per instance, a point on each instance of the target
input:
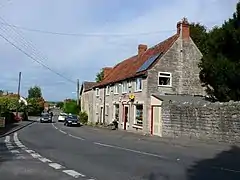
(60, 104)
(35, 106)
(199, 35)
(70, 106)
(220, 67)
(35, 92)
(99, 76)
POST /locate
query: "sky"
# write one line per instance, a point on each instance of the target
(87, 36)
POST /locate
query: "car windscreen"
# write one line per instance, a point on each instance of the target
(72, 117)
(45, 115)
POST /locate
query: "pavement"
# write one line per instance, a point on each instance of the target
(53, 151)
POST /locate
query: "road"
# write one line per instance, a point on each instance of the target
(53, 151)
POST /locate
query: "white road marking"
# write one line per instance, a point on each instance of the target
(20, 157)
(131, 150)
(56, 165)
(35, 155)
(7, 139)
(44, 160)
(14, 151)
(62, 131)
(29, 151)
(10, 146)
(76, 137)
(54, 126)
(73, 173)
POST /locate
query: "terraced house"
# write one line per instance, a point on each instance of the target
(129, 90)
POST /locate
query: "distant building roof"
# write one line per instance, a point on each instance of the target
(88, 85)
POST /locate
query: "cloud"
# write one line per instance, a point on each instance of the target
(82, 56)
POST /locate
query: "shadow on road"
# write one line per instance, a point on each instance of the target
(8, 128)
(5, 155)
(225, 165)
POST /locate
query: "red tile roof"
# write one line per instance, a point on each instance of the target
(88, 85)
(128, 68)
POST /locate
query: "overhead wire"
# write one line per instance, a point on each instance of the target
(85, 34)
(33, 57)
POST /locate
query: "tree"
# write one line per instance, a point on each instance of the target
(199, 36)
(35, 92)
(99, 76)
(35, 106)
(60, 104)
(220, 67)
(70, 106)
(1, 92)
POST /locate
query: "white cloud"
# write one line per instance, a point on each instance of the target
(82, 57)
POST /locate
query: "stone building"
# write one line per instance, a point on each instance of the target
(127, 91)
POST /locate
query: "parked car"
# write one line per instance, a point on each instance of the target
(72, 120)
(45, 117)
(61, 117)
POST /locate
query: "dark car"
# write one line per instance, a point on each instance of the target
(45, 117)
(71, 120)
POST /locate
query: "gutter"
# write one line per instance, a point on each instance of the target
(104, 104)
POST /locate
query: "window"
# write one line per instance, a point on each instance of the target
(138, 85)
(165, 79)
(125, 87)
(138, 115)
(116, 89)
(107, 90)
(97, 91)
(107, 110)
(97, 108)
(116, 112)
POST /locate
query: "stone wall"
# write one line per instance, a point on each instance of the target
(218, 121)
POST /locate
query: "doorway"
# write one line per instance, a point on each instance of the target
(126, 117)
(101, 115)
(157, 120)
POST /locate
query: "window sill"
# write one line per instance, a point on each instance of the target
(97, 95)
(169, 86)
(124, 92)
(116, 93)
(107, 94)
(137, 126)
(138, 91)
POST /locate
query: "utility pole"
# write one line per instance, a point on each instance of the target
(18, 92)
(78, 92)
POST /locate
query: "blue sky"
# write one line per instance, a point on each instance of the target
(109, 31)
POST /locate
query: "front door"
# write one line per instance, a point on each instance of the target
(101, 115)
(126, 116)
(157, 121)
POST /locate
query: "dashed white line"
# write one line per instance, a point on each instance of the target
(56, 165)
(7, 139)
(130, 150)
(76, 137)
(35, 155)
(15, 151)
(73, 173)
(44, 160)
(29, 151)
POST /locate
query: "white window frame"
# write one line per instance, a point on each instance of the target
(114, 111)
(170, 76)
(97, 92)
(108, 90)
(107, 110)
(116, 89)
(97, 108)
(135, 125)
(126, 88)
(136, 85)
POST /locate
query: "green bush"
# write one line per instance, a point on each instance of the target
(83, 117)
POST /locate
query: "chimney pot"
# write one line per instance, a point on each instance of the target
(183, 28)
(141, 49)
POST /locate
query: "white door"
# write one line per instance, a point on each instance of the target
(157, 121)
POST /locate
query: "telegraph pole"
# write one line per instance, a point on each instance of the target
(78, 92)
(18, 92)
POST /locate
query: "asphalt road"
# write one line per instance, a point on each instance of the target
(53, 151)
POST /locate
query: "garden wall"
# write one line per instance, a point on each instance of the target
(219, 121)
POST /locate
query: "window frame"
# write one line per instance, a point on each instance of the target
(135, 115)
(97, 92)
(170, 76)
(136, 85)
(114, 112)
(116, 87)
(123, 90)
(108, 90)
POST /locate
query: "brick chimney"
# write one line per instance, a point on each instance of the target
(183, 29)
(106, 71)
(141, 49)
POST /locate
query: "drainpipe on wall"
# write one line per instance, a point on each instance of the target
(104, 104)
